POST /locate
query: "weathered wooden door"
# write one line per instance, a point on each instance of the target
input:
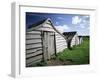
(48, 45)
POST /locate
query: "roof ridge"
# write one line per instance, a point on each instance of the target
(37, 23)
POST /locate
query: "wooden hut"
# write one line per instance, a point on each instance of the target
(71, 38)
(80, 39)
(42, 41)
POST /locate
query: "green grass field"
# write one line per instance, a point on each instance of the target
(78, 55)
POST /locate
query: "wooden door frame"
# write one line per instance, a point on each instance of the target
(55, 44)
(42, 38)
(42, 35)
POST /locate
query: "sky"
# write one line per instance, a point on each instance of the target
(62, 22)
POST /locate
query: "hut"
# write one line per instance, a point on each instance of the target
(80, 39)
(71, 38)
(42, 41)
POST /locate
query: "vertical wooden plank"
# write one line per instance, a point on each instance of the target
(44, 46)
(42, 36)
(55, 44)
(52, 48)
(52, 43)
(49, 44)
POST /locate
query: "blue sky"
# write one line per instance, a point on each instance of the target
(63, 22)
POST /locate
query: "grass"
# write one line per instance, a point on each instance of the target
(78, 55)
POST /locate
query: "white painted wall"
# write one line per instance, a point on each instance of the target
(60, 43)
(75, 40)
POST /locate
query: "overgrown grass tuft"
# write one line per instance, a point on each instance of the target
(78, 55)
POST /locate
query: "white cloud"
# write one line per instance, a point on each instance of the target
(84, 21)
(57, 23)
(76, 20)
(83, 32)
(82, 26)
(62, 28)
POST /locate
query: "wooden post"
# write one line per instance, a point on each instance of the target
(42, 35)
(55, 44)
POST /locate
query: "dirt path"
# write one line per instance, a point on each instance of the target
(57, 62)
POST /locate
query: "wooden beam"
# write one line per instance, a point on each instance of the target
(33, 43)
(55, 44)
(42, 35)
(34, 48)
(34, 56)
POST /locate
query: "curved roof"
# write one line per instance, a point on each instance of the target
(69, 35)
(40, 23)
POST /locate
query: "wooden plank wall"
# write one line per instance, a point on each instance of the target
(80, 40)
(60, 43)
(46, 27)
(75, 40)
(34, 49)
